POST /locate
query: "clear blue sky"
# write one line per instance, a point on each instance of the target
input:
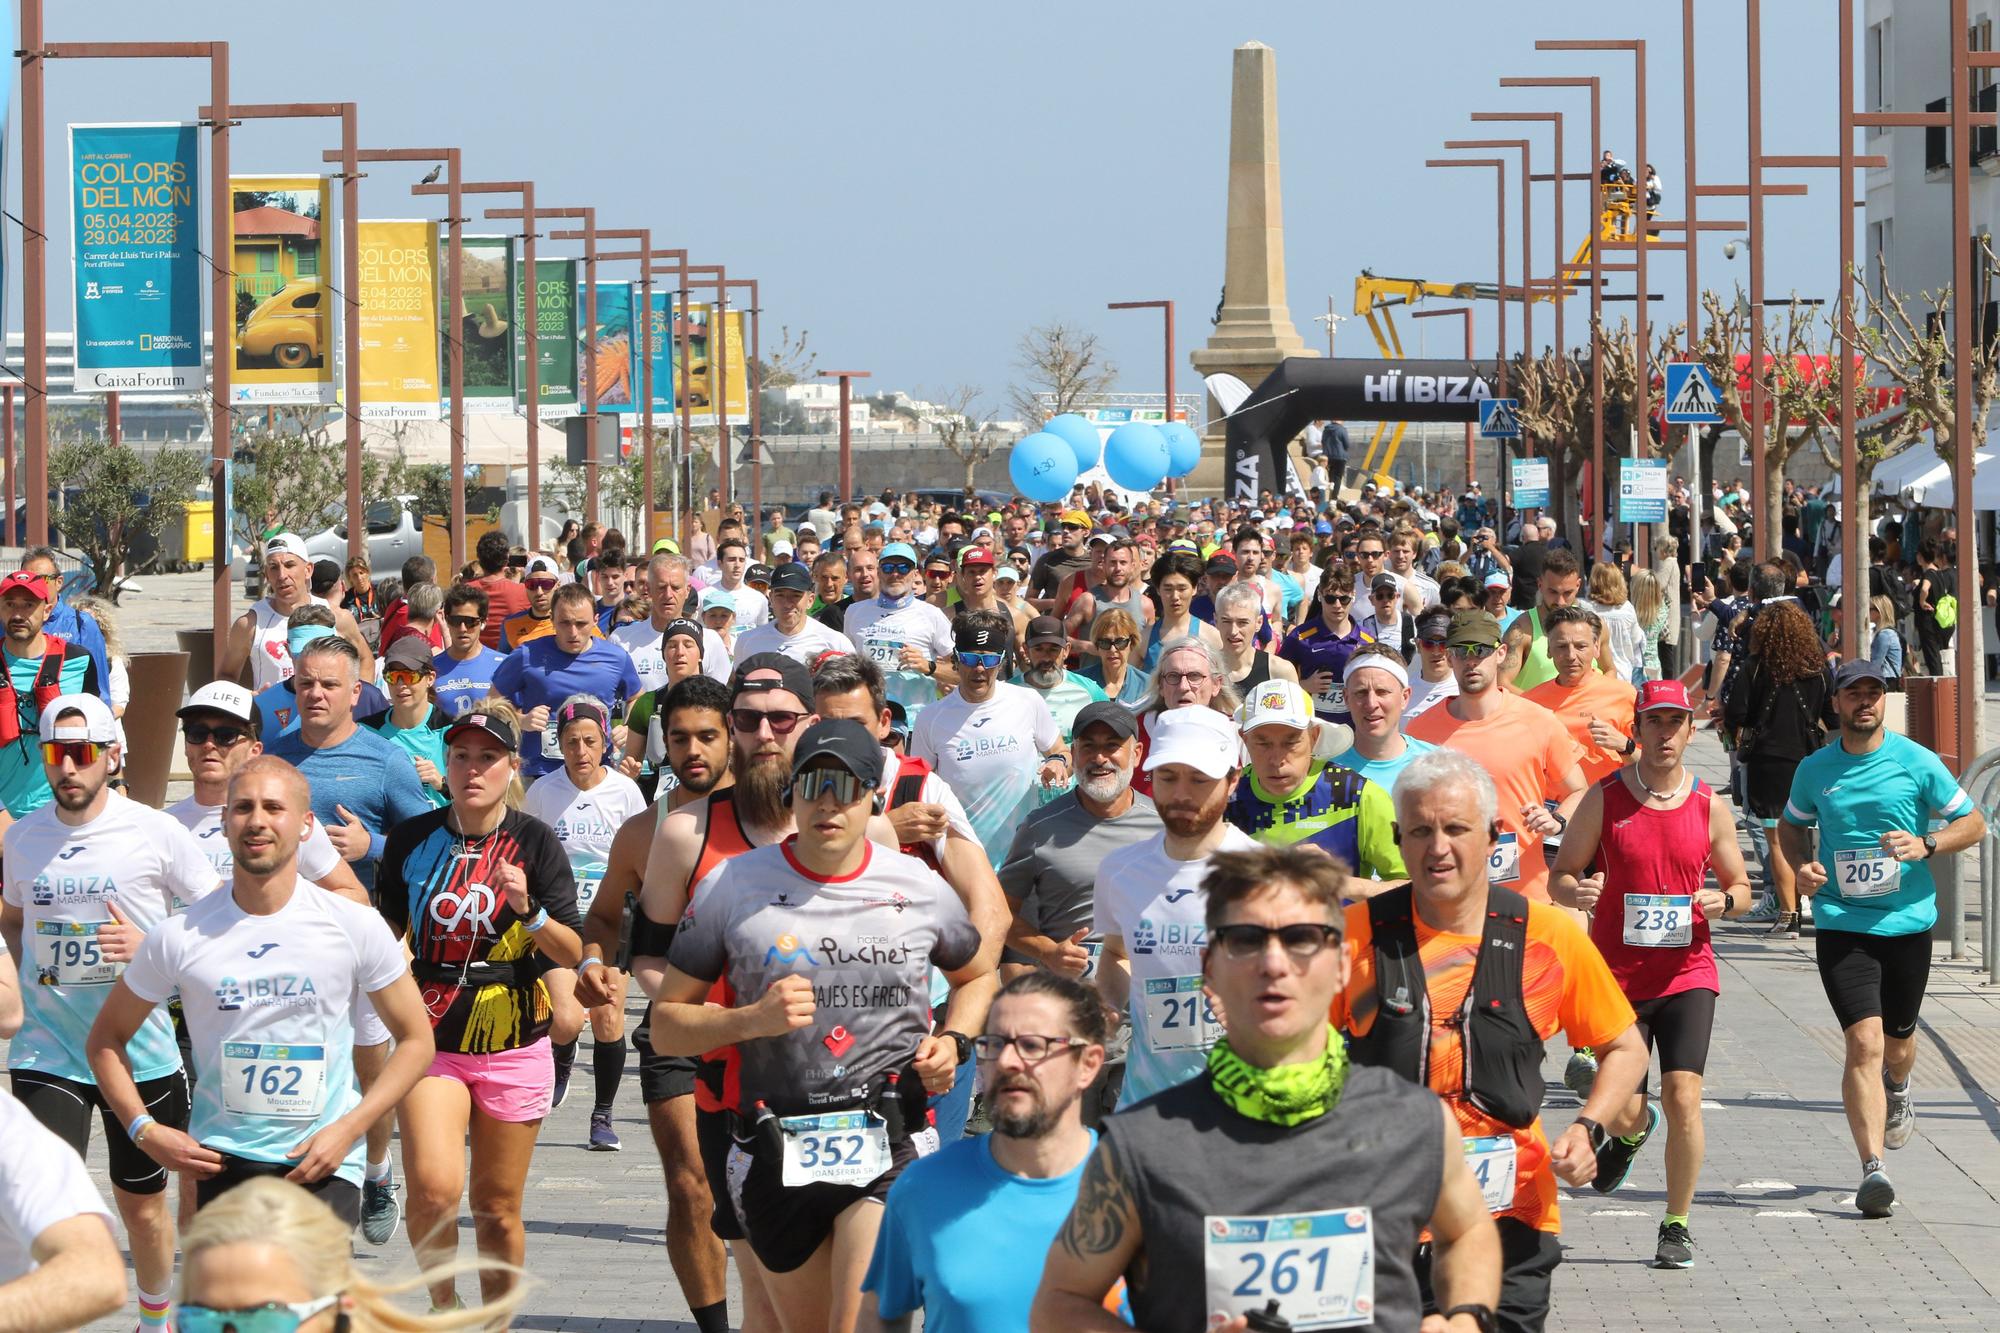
(917, 184)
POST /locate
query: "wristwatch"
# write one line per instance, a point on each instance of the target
(1482, 1315)
(1930, 845)
(963, 1043)
(1630, 745)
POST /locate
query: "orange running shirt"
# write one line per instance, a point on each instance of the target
(1526, 751)
(1566, 986)
(1599, 696)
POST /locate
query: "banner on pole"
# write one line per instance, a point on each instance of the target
(137, 265)
(399, 310)
(485, 321)
(700, 381)
(665, 354)
(281, 327)
(1530, 489)
(1642, 490)
(617, 371)
(554, 334)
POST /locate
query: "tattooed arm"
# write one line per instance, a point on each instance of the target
(1096, 1245)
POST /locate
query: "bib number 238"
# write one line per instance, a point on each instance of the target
(1318, 1267)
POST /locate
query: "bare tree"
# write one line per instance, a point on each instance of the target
(1060, 366)
(789, 363)
(959, 430)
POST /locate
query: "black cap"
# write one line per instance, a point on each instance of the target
(491, 723)
(845, 741)
(757, 573)
(792, 676)
(968, 636)
(1220, 564)
(1123, 722)
(1046, 629)
(1852, 673)
(1385, 583)
(791, 577)
(683, 626)
(412, 652)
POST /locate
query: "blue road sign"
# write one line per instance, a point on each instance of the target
(1692, 399)
(1500, 418)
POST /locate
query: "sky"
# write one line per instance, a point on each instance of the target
(916, 185)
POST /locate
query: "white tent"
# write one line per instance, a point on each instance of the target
(1932, 487)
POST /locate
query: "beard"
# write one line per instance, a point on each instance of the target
(1033, 1123)
(1185, 822)
(700, 784)
(1105, 788)
(80, 797)
(1042, 678)
(760, 789)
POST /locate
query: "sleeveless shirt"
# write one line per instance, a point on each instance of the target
(270, 658)
(717, 1072)
(1646, 850)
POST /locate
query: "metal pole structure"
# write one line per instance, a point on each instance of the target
(712, 275)
(1499, 166)
(7, 532)
(1854, 527)
(678, 331)
(112, 426)
(753, 388)
(645, 254)
(1559, 274)
(588, 234)
(1760, 500)
(1464, 313)
(34, 264)
(1167, 308)
(846, 445)
(1527, 226)
(529, 314)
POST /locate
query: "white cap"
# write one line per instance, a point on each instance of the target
(221, 696)
(286, 543)
(98, 724)
(1004, 569)
(1197, 736)
(781, 549)
(542, 564)
(1275, 701)
(807, 530)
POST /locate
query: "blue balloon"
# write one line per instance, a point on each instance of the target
(1042, 467)
(1136, 456)
(1081, 436)
(1183, 448)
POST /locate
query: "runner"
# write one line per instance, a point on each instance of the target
(413, 720)
(256, 641)
(585, 803)
(1474, 950)
(680, 653)
(1558, 585)
(1378, 697)
(35, 668)
(1596, 708)
(907, 637)
(271, 1030)
(1320, 647)
(732, 563)
(1238, 613)
(572, 660)
(278, 707)
(485, 896)
(59, 1262)
(668, 601)
(1653, 832)
(1041, 1052)
(790, 630)
(1288, 795)
(86, 877)
(1190, 675)
(1873, 797)
(1147, 903)
(1277, 1187)
(1521, 745)
(1064, 691)
(465, 668)
(835, 1090)
(540, 581)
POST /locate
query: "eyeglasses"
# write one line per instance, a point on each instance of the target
(1033, 1048)
(270, 1317)
(1184, 677)
(465, 622)
(539, 585)
(81, 753)
(814, 783)
(982, 661)
(404, 678)
(1302, 939)
(782, 720)
(200, 733)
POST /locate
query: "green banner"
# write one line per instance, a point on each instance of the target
(485, 321)
(555, 339)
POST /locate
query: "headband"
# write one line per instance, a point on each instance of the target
(1376, 662)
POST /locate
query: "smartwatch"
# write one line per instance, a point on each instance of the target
(1930, 845)
(1482, 1315)
(963, 1043)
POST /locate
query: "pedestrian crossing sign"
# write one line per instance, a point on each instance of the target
(1500, 418)
(1691, 395)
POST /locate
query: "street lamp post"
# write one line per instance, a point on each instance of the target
(1559, 274)
(1527, 227)
(646, 255)
(753, 388)
(588, 235)
(714, 275)
(1167, 307)
(531, 314)
(1499, 166)
(846, 378)
(1465, 313)
(682, 516)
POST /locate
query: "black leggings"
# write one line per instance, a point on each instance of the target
(1875, 976)
(64, 1106)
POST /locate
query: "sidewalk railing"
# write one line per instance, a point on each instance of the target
(1982, 783)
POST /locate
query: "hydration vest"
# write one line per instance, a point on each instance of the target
(48, 686)
(909, 788)
(1502, 1066)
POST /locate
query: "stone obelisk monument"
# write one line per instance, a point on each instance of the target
(1255, 330)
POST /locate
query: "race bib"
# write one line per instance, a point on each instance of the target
(883, 652)
(551, 739)
(1503, 863)
(589, 877)
(1491, 1161)
(1868, 873)
(840, 1148)
(1659, 920)
(271, 1081)
(1318, 1267)
(1095, 948)
(1178, 1016)
(1332, 699)
(67, 954)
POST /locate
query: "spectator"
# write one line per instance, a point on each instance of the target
(360, 601)
(1885, 644)
(118, 692)
(421, 606)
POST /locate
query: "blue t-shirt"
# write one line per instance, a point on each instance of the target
(1855, 799)
(24, 783)
(936, 1250)
(1383, 772)
(460, 685)
(278, 708)
(367, 774)
(539, 673)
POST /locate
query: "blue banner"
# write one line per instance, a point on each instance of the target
(664, 352)
(135, 192)
(617, 361)
(1642, 490)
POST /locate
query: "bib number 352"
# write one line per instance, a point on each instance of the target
(1318, 1267)
(839, 1148)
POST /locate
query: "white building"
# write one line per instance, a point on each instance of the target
(821, 404)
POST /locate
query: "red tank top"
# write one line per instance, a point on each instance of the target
(1642, 850)
(717, 1086)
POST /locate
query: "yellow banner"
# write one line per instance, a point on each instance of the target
(281, 251)
(701, 384)
(399, 329)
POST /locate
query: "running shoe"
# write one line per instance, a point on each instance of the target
(1902, 1121)
(1675, 1248)
(1876, 1193)
(1580, 1074)
(1614, 1155)
(381, 1209)
(602, 1137)
(561, 1093)
(1763, 914)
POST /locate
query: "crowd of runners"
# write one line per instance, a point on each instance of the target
(1055, 917)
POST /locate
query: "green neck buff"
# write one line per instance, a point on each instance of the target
(1287, 1095)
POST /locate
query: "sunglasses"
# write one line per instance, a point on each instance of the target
(406, 678)
(896, 567)
(465, 622)
(937, 573)
(81, 753)
(1076, 527)
(814, 783)
(201, 733)
(539, 585)
(1117, 645)
(1344, 598)
(1435, 644)
(270, 1317)
(985, 661)
(782, 720)
(1033, 1048)
(1303, 939)
(1468, 651)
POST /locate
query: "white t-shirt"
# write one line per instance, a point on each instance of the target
(1155, 904)
(42, 1182)
(936, 792)
(880, 634)
(990, 753)
(1426, 695)
(64, 880)
(317, 856)
(812, 639)
(752, 608)
(584, 822)
(642, 641)
(268, 1003)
